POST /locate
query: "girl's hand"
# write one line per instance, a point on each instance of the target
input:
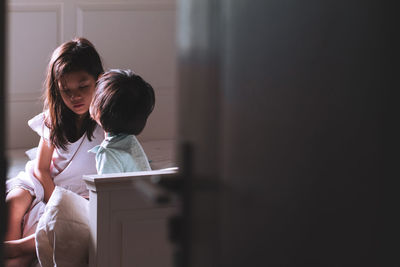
(42, 168)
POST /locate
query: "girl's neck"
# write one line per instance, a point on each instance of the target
(79, 122)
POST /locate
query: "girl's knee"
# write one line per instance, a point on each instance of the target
(18, 193)
(19, 199)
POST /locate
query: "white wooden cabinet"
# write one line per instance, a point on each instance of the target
(129, 228)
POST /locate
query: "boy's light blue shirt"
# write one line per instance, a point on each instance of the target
(120, 153)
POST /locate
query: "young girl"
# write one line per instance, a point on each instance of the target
(67, 132)
(121, 105)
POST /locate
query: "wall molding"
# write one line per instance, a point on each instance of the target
(58, 8)
(132, 6)
(27, 96)
(123, 6)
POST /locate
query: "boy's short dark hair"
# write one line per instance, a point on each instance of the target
(122, 102)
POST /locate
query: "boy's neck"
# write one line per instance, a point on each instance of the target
(109, 134)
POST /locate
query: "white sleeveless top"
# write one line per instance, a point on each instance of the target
(68, 166)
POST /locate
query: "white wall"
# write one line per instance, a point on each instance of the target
(139, 35)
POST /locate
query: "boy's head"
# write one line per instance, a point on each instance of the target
(122, 102)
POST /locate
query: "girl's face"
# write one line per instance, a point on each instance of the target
(76, 89)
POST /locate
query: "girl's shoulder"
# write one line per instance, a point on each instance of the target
(37, 124)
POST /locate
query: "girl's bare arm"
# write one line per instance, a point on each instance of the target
(42, 168)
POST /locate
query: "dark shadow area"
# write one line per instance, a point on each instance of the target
(304, 96)
(3, 162)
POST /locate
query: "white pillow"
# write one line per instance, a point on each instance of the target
(62, 233)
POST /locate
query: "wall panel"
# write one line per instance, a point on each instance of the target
(140, 37)
(34, 31)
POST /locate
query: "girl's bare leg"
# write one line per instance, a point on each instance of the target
(18, 201)
(23, 261)
(20, 247)
(18, 251)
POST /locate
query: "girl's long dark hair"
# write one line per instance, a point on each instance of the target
(76, 55)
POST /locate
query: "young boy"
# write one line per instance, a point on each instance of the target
(121, 105)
